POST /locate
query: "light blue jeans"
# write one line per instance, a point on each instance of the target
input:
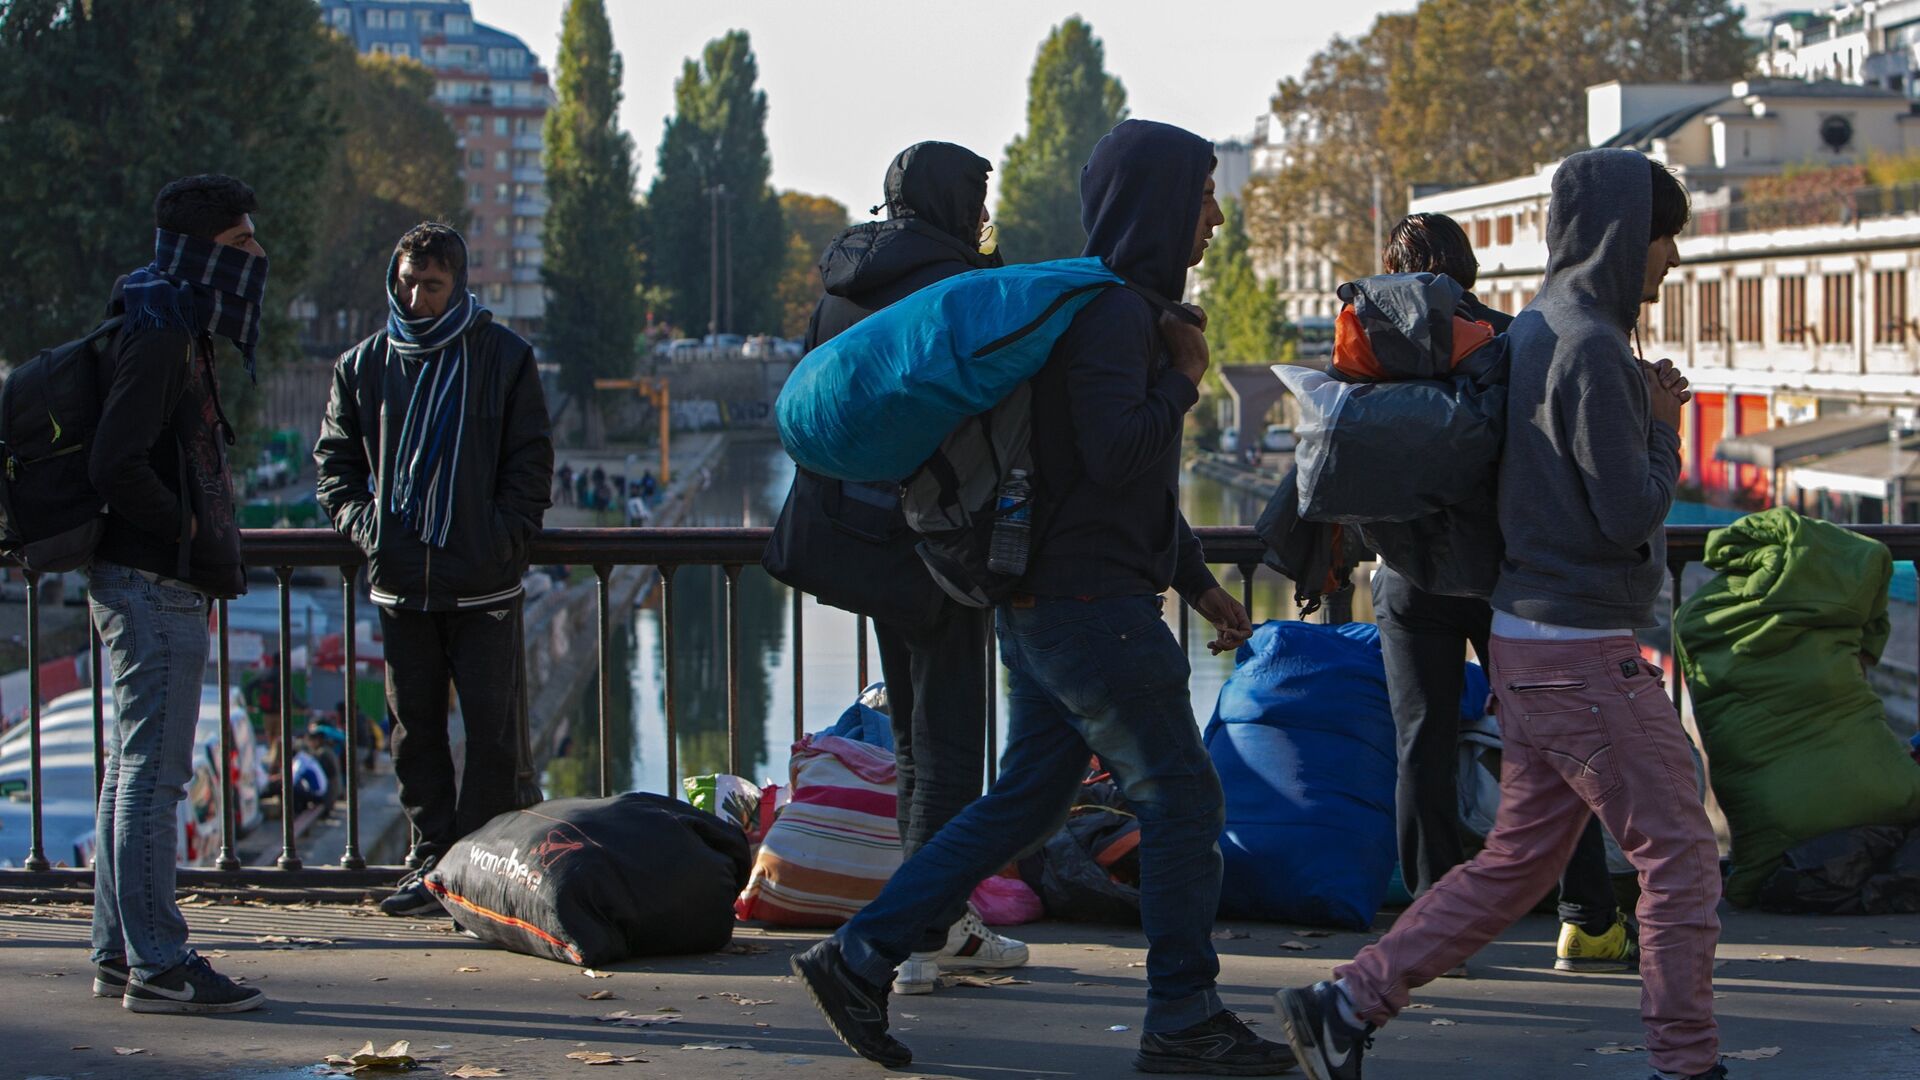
(156, 644)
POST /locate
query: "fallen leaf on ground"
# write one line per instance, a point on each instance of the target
(599, 995)
(1313, 933)
(1761, 1054)
(1444, 1023)
(464, 970)
(1616, 1049)
(473, 1072)
(129, 1051)
(744, 1001)
(379, 978)
(397, 1056)
(1901, 941)
(602, 1057)
(1230, 935)
(632, 1019)
(1419, 1005)
(592, 974)
(79, 1047)
(1297, 946)
(1118, 1027)
(282, 941)
(1775, 958)
(715, 1046)
(987, 981)
(744, 948)
(1138, 963)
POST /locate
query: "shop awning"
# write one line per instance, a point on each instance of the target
(1873, 471)
(1783, 446)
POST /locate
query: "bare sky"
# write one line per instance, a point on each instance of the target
(850, 82)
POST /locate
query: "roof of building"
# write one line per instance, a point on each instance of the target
(1640, 136)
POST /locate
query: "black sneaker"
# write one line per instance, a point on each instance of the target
(191, 986)
(110, 978)
(1221, 1045)
(855, 1009)
(1718, 1072)
(1328, 1047)
(413, 898)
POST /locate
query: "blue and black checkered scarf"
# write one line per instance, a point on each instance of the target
(198, 285)
(429, 450)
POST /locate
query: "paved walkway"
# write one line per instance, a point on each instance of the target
(1842, 1005)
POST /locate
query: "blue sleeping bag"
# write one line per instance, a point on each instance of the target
(1305, 747)
(875, 401)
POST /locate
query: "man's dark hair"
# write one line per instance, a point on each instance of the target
(1671, 207)
(431, 241)
(1433, 244)
(203, 206)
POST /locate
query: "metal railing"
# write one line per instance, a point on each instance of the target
(1843, 206)
(285, 551)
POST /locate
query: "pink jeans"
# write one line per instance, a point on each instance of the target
(1583, 724)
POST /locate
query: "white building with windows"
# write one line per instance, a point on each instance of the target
(1303, 273)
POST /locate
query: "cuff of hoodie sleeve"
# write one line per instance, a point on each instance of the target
(1179, 390)
(1192, 583)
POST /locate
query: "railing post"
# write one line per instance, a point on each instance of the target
(351, 858)
(1247, 570)
(229, 818)
(36, 849)
(860, 649)
(289, 853)
(733, 668)
(602, 601)
(666, 660)
(799, 668)
(1676, 570)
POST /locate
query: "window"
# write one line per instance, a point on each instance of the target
(1890, 307)
(500, 160)
(476, 159)
(1793, 310)
(524, 126)
(343, 18)
(1748, 317)
(378, 48)
(500, 260)
(1482, 233)
(376, 19)
(1503, 229)
(520, 226)
(1836, 309)
(499, 125)
(496, 292)
(1673, 313)
(500, 226)
(479, 225)
(1710, 314)
(396, 20)
(474, 193)
(519, 258)
(500, 193)
(459, 24)
(423, 19)
(475, 123)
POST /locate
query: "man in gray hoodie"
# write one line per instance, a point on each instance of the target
(1585, 483)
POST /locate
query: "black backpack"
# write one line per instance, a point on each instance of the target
(51, 517)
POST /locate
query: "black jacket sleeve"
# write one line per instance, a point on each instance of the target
(526, 451)
(1125, 422)
(343, 471)
(149, 375)
(1192, 578)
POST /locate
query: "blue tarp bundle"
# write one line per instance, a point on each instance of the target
(874, 402)
(1304, 744)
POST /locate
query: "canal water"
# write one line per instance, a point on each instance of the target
(749, 483)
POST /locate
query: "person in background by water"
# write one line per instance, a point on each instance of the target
(1092, 667)
(563, 485)
(436, 459)
(170, 547)
(1423, 636)
(1586, 480)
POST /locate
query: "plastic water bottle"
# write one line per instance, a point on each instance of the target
(1012, 526)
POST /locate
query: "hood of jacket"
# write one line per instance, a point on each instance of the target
(1599, 223)
(941, 184)
(873, 255)
(1140, 197)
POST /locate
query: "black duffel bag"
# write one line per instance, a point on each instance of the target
(596, 881)
(849, 545)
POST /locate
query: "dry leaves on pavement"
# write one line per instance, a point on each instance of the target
(984, 981)
(592, 974)
(603, 1057)
(474, 1072)
(129, 1051)
(1761, 1054)
(397, 1056)
(633, 1019)
(600, 995)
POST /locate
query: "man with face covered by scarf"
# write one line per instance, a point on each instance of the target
(436, 458)
(936, 667)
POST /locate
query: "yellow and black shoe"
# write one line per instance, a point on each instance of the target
(1616, 950)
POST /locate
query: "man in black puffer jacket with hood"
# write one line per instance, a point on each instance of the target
(935, 661)
(1092, 667)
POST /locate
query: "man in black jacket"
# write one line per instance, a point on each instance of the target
(935, 665)
(1423, 636)
(168, 549)
(1092, 666)
(436, 458)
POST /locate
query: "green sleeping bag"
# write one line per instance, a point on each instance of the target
(1797, 742)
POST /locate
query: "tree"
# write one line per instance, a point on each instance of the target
(102, 103)
(1243, 313)
(712, 184)
(397, 163)
(1071, 103)
(591, 266)
(812, 222)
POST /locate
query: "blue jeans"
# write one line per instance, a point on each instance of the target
(156, 642)
(1085, 677)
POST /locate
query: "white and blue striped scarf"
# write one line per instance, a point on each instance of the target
(429, 452)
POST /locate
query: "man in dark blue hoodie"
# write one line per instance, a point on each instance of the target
(1092, 667)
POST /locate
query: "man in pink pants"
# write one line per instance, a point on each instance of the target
(1586, 480)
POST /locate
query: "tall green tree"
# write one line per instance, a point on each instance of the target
(713, 170)
(591, 264)
(103, 103)
(1071, 103)
(397, 163)
(812, 222)
(1244, 325)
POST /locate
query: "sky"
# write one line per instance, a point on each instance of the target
(851, 82)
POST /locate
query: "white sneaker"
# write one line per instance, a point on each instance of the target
(971, 944)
